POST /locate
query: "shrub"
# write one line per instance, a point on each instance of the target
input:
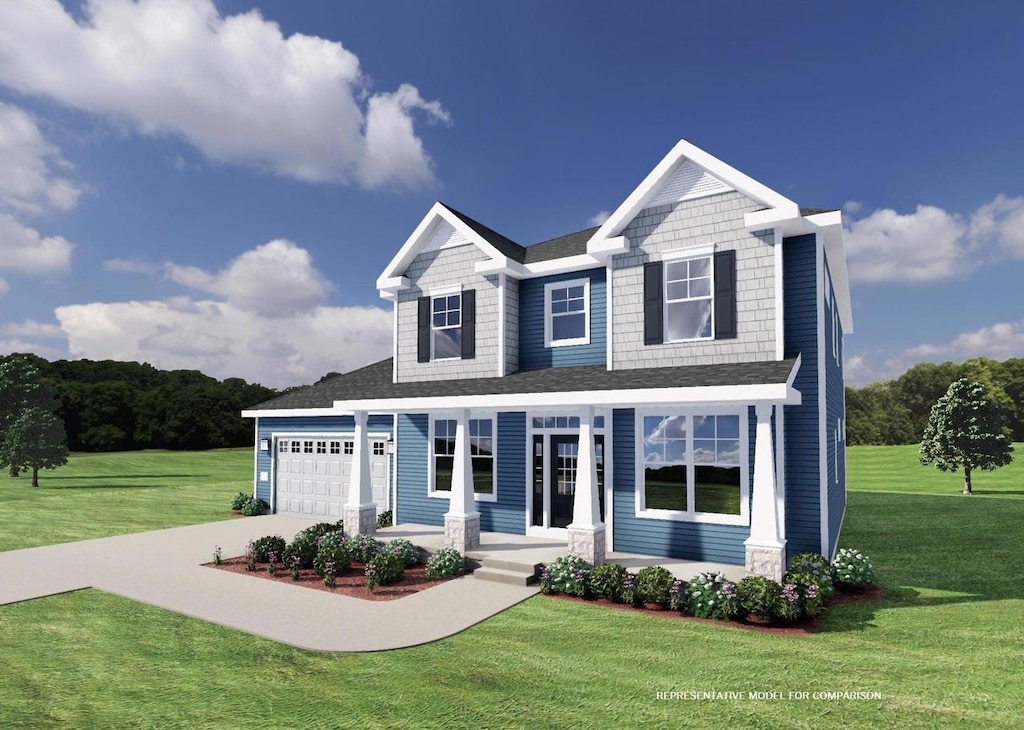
(853, 568)
(384, 519)
(818, 566)
(677, 596)
(363, 548)
(445, 563)
(294, 566)
(629, 589)
(760, 596)
(330, 575)
(218, 555)
(384, 569)
(404, 550)
(654, 585)
(332, 550)
(304, 545)
(711, 595)
(568, 574)
(263, 546)
(253, 507)
(801, 596)
(238, 501)
(606, 581)
(250, 557)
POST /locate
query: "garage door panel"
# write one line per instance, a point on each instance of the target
(315, 481)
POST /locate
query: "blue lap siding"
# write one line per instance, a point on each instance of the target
(835, 411)
(532, 352)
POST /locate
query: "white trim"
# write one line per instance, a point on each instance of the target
(688, 255)
(687, 252)
(502, 314)
(690, 514)
(609, 475)
(780, 468)
(394, 472)
(288, 412)
(609, 307)
(439, 294)
(563, 265)
(446, 494)
(256, 457)
(548, 316)
(443, 291)
(819, 295)
(780, 310)
(394, 340)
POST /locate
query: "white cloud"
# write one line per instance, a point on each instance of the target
(23, 249)
(235, 87)
(28, 182)
(132, 266)
(276, 279)
(1001, 222)
(599, 218)
(4, 287)
(224, 341)
(31, 328)
(852, 206)
(15, 344)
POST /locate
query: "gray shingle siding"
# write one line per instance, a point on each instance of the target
(532, 352)
(512, 342)
(716, 219)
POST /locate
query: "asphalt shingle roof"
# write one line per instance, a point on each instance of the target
(374, 382)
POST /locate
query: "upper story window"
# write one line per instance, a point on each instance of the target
(688, 300)
(567, 313)
(446, 326)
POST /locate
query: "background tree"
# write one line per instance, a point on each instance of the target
(36, 440)
(21, 388)
(966, 429)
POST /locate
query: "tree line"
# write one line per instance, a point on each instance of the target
(121, 406)
(897, 411)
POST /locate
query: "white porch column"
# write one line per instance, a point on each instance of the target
(359, 511)
(766, 550)
(587, 532)
(462, 521)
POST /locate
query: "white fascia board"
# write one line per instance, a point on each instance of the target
(787, 217)
(683, 151)
(794, 371)
(835, 254)
(718, 395)
(289, 412)
(500, 265)
(565, 265)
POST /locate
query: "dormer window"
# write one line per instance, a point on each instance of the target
(567, 313)
(688, 300)
(446, 324)
(446, 327)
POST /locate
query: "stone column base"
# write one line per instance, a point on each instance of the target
(462, 532)
(766, 560)
(361, 520)
(587, 543)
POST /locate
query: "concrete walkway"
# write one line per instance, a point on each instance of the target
(164, 568)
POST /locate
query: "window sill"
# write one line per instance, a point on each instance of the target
(477, 497)
(568, 343)
(440, 359)
(701, 517)
(690, 339)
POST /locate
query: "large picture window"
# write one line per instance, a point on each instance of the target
(446, 326)
(567, 311)
(481, 449)
(692, 464)
(688, 299)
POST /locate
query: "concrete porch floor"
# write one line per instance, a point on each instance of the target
(532, 550)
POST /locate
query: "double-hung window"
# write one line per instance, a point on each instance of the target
(688, 299)
(481, 449)
(567, 313)
(446, 326)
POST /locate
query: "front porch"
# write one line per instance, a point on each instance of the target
(521, 553)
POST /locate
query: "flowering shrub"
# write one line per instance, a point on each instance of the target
(853, 568)
(253, 507)
(677, 595)
(567, 574)
(218, 555)
(294, 566)
(654, 585)
(629, 589)
(238, 501)
(330, 574)
(384, 569)
(384, 519)
(760, 596)
(606, 581)
(404, 550)
(801, 597)
(272, 560)
(445, 563)
(304, 545)
(331, 549)
(363, 548)
(711, 595)
(250, 557)
(263, 546)
(818, 566)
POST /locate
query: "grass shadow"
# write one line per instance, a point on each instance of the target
(125, 476)
(62, 487)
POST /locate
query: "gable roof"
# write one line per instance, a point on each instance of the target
(506, 245)
(571, 244)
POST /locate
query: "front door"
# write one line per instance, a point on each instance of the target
(563, 452)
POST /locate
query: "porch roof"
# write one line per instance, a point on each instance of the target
(371, 388)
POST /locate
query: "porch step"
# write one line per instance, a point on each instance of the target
(501, 575)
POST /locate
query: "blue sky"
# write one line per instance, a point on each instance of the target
(217, 185)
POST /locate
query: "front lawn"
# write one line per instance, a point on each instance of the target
(942, 648)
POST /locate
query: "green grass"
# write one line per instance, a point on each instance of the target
(942, 646)
(98, 495)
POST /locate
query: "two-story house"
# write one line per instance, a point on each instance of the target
(669, 383)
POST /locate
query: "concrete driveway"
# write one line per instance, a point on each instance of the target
(164, 568)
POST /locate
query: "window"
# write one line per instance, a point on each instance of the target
(481, 450)
(349, 448)
(321, 447)
(307, 447)
(446, 327)
(692, 465)
(566, 307)
(335, 447)
(296, 447)
(282, 447)
(563, 422)
(688, 299)
(378, 448)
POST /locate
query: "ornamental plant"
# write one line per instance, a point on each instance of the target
(262, 547)
(853, 568)
(677, 596)
(330, 576)
(568, 574)
(304, 545)
(238, 501)
(818, 566)
(332, 549)
(654, 585)
(760, 596)
(250, 557)
(445, 563)
(384, 519)
(404, 549)
(801, 597)
(272, 563)
(383, 570)
(606, 581)
(711, 595)
(218, 555)
(363, 548)
(629, 589)
(294, 567)
(253, 507)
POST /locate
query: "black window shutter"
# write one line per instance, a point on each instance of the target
(654, 306)
(725, 295)
(469, 324)
(423, 329)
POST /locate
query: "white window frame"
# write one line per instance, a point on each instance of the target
(549, 315)
(702, 252)
(438, 295)
(690, 514)
(446, 494)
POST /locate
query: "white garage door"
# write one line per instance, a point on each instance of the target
(313, 474)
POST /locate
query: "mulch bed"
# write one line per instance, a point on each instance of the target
(352, 583)
(751, 623)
